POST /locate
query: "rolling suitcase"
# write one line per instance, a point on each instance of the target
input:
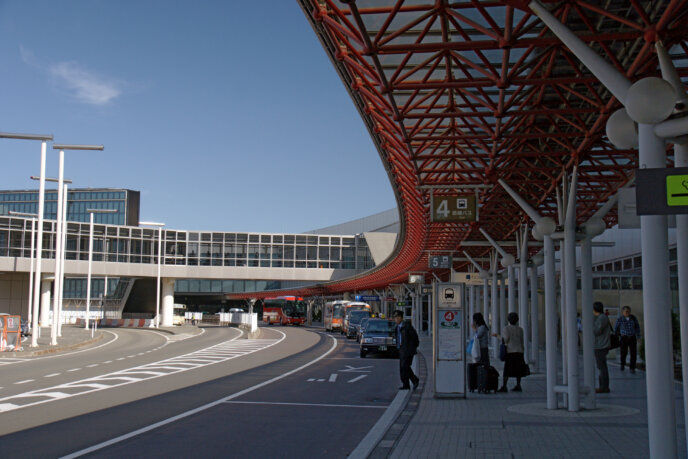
(488, 379)
(472, 377)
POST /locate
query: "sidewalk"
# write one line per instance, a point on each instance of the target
(74, 337)
(516, 425)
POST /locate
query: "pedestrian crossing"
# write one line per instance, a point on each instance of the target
(212, 355)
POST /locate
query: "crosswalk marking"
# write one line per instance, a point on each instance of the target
(215, 354)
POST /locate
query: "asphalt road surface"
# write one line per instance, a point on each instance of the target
(293, 392)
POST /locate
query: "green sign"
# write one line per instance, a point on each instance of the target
(401, 303)
(677, 190)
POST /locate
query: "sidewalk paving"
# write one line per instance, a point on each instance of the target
(74, 337)
(497, 426)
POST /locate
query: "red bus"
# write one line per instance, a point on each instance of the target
(284, 310)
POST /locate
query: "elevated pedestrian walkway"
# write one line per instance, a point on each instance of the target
(516, 425)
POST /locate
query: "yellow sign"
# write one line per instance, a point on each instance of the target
(677, 190)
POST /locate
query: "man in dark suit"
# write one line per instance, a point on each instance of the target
(407, 343)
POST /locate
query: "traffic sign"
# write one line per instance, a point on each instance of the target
(677, 190)
(453, 208)
(367, 298)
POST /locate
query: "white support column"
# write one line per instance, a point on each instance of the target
(39, 249)
(661, 413)
(58, 253)
(502, 301)
(495, 312)
(512, 288)
(523, 294)
(571, 297)
(562, 318)
(535, 321)
(681, 160)
(486, 296)
(550, 323)
(587, 321)
(471, 301)
(167, 301)
(45, 301)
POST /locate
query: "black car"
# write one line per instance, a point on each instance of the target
(379, 337)
(355, 318)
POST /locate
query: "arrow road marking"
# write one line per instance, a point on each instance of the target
(357, 378)
(350, 369)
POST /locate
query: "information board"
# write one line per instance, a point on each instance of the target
(453, 208)
(449, 336)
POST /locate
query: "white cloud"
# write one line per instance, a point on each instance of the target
(86, 86)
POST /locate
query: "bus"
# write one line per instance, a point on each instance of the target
(333, 315)
(352, 306)
(284, 310)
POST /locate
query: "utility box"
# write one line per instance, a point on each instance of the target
(449, 338)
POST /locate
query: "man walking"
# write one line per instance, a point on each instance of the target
(407, 343)
(602, 329)
(628, 329)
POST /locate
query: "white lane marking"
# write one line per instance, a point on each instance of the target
(52, 375)
(121, 358)
(92, 365)
(327, 405)
(108, 361)
(200, 408)
(333, 377)
(357, 378)
(74, 369)
(139, 373)
(350, 369)
(321, 380)
(25, 381)
(311, 379)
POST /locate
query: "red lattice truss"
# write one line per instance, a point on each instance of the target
(458, 94)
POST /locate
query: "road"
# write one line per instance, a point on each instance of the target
(292, 392)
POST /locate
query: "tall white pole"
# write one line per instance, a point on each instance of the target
(58, 251)
(90, 262)
(157, 297)
(502, 300)
(495, 306)
(658, 353)
(62, 258)
(571, 297)
(523, 293)
(535, 319)
(471, 301)
(486, 297)
(512, 288)
(550, 323)
(681, 160)
(33, 243)
(39, 249)
(587, 321)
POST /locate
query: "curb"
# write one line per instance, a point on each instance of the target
(384, 435)
(55, 349)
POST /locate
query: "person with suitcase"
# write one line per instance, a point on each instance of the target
(487, 377)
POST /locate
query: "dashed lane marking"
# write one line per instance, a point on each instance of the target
(215, 354)
(357, 378)
(25, 381)
(52, 375)
(74, 369)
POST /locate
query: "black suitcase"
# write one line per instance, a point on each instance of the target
(488, 379)
(472, 377)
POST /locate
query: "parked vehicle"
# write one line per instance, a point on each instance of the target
(284, 310)
(333, 315)
(379, 337)
(352, 306)
(354, 321)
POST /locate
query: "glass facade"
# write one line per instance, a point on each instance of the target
(126, 202)
(126, 244)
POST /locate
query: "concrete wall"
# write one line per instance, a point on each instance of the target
(14, 293)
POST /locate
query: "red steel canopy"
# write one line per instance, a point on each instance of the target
(457, 95)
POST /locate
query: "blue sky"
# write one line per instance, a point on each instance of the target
(226, 115)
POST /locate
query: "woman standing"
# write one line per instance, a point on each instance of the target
(514, 364)
(482, 336)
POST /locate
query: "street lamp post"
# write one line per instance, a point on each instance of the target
(157, 295)
(41, 204)
(90, 256)
(61, 198)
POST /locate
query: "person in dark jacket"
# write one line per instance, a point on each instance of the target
(628, 330)
(407, 343)
(602, 329)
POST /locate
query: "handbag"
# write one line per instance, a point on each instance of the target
(614, 340)
(475, 350)
(469, 348)
(502, 351)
